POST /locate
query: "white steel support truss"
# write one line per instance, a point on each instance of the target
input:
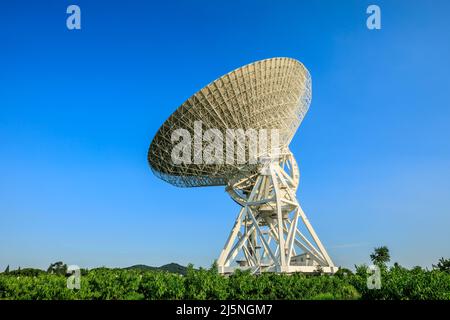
(266, 235)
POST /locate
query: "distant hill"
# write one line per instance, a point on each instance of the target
(171, 267)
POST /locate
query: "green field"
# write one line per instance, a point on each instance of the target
(397, 283)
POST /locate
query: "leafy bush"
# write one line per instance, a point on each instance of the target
(103, 283)
(162, 285)
(399, 283)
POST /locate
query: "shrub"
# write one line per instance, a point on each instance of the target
(397, 283)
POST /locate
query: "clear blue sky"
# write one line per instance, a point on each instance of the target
(78, 110)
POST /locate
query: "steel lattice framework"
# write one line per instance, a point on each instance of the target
(271, 232)
(268, 94)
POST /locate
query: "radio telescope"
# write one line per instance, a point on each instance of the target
(271, 232)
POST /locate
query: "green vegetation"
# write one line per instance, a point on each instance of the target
(443, 265)
(398, 283)
(140, 282)
(380, 256)
(104, 283)
(57, 268)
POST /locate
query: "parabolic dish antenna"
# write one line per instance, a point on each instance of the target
(236, 132)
